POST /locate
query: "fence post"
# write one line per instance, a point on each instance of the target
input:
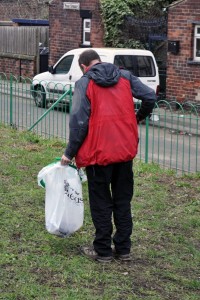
(70, 98)
(11, 100)
(147, 140)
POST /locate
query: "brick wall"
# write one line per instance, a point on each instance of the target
(24, 68)
(183, 77)
(66, 27)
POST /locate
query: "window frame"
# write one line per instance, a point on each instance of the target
(86, 30)
(196, 36)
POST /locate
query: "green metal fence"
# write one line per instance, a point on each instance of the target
(18, 107)
(170, 137)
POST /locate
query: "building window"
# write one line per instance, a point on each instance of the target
(86, 31)
(197, 43)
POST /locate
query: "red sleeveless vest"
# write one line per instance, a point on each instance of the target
(113, 132)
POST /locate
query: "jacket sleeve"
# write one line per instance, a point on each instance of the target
(79, 118)
(142, 92)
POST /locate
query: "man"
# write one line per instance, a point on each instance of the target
(104, 139)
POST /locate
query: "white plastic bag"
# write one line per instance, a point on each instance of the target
(64, 209)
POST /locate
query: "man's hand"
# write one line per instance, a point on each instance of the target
(65, 161)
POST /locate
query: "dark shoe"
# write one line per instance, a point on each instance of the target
(91, 253)
(122, 257)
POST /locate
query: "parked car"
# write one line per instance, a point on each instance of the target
(47, 86)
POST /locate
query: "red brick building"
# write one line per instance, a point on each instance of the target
(74, 24)
(183, 60)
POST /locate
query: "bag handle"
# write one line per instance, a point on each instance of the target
(72, 165)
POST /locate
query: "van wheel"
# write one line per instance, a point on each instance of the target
(40, 96)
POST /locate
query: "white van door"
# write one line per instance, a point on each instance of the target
(59, 79)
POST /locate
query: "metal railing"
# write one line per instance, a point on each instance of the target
(18, 107)
(170, 137)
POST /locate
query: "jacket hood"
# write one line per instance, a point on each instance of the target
(104, 74)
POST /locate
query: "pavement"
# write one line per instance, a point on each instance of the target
(176, 121)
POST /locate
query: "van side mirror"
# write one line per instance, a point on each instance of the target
(51, 70)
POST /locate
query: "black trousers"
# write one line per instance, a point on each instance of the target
(110, 192)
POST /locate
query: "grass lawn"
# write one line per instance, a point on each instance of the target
(37, 265)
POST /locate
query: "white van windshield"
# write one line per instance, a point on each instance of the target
(140, 66)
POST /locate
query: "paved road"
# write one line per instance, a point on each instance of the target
(26, 113)
(171, 146)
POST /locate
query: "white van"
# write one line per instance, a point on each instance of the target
(48, 85)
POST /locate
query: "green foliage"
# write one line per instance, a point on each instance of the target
(131, 43)
(114, 11)
(145, 8)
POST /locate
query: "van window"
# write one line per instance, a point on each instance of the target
(64, 65)
(140, 66)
